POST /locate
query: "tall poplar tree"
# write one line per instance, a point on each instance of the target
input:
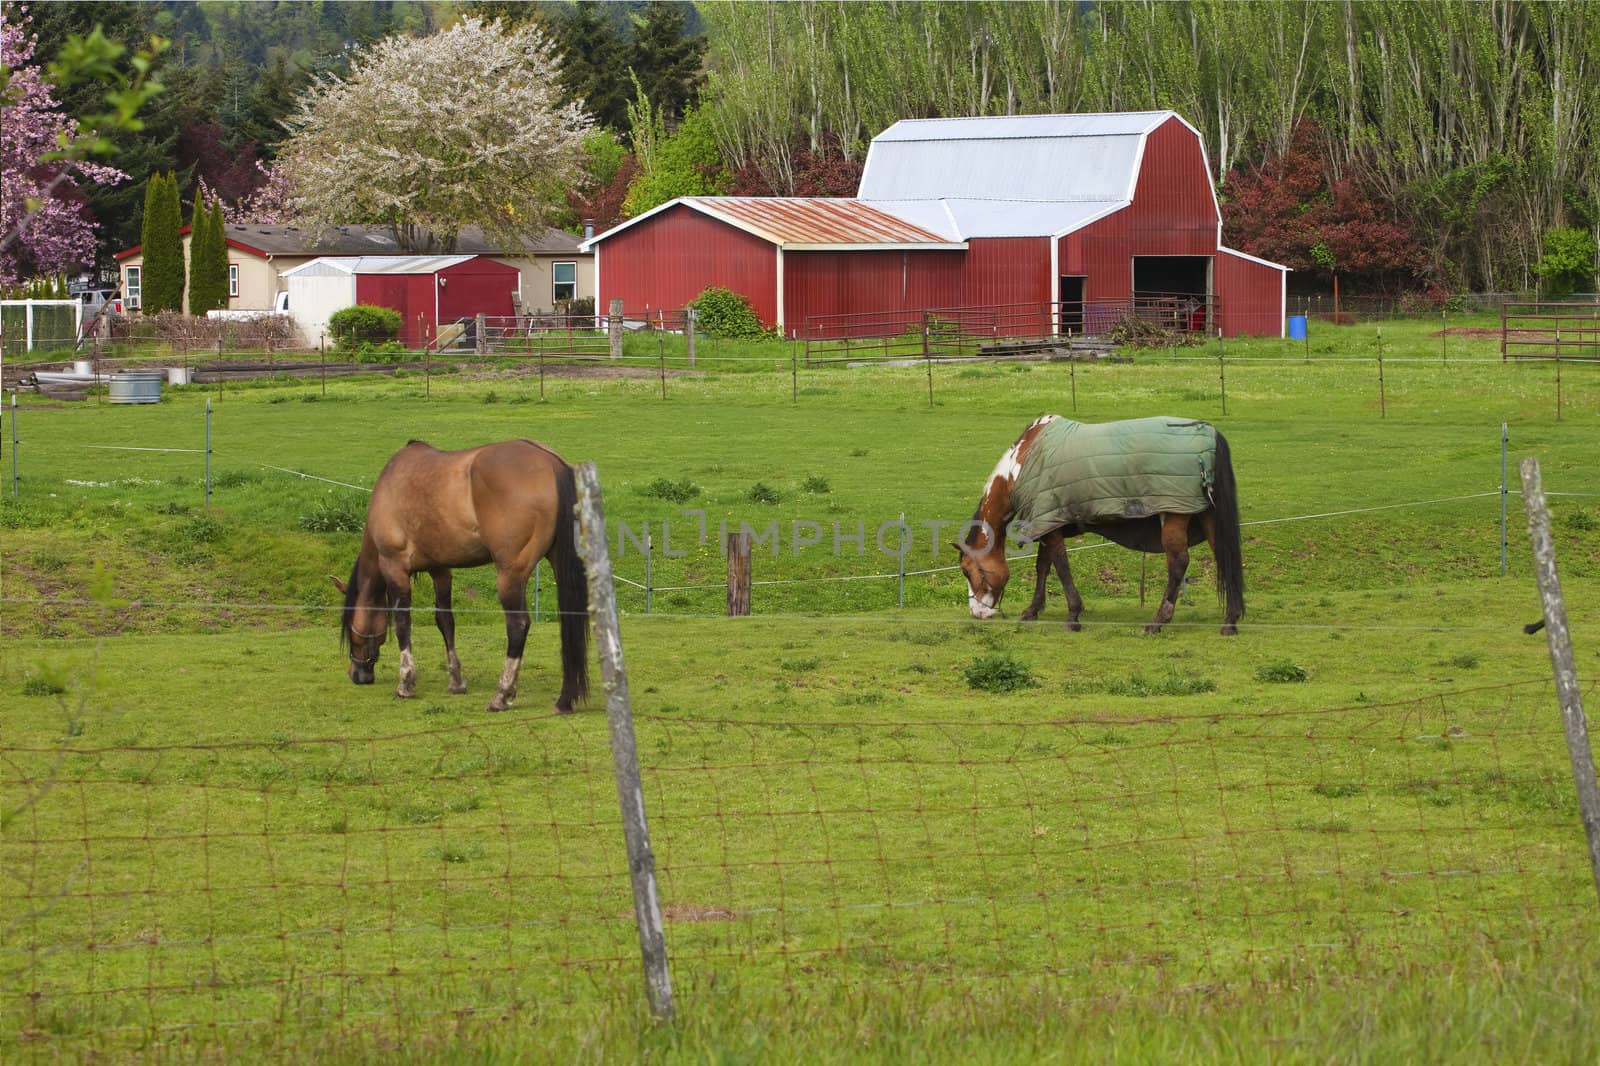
(208, 260)
(162, 246)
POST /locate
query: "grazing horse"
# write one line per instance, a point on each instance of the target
(510, 504)
(1154, 485)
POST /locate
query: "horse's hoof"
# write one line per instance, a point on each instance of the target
(498, 704)
(1152, 629)
(1029, 616)
(1074, 627)
(405, 693)
(1230, 630)
(564, 708)
(457, 688)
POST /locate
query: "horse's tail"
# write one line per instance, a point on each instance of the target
(572, 589)
(1225, 507)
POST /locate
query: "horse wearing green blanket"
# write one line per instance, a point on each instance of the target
(1157, 485)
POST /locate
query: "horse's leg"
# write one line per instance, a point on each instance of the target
(1064, 572)
(446, 618)
(1230, 620)
(1175, 542)
(399, 583)
(513, 587)
(1047, 547)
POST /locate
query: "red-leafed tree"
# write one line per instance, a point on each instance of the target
(1291, 210)
(824, 171)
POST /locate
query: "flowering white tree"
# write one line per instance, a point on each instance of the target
(43, 228)
(464, 127)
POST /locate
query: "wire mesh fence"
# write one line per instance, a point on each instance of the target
(287, 883)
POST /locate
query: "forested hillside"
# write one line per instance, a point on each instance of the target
(1400, 146)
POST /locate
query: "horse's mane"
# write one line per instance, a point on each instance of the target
(349, 612)
(971, 540)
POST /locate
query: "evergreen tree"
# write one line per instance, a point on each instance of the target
(665, 59)
(208, 259)
(594, 63)
(162, 246)
(271, 102)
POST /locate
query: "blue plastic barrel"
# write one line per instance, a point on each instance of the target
(1297, 327)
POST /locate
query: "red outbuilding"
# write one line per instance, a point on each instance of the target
(1080, 216)
(431, 289)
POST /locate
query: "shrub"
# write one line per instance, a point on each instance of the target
(999, 673)
(334, 516)
(673, 491)
(383, 352)
(364, 324)
(761, 492)
(817, 484)
(723, 313)
(1282, 672)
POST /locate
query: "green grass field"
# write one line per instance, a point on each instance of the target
(1348, 833)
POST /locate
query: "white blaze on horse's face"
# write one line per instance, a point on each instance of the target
(984, 586)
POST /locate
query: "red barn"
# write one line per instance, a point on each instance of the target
(1081, 214)
(430, 289)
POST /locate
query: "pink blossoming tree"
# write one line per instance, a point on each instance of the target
(44, 226)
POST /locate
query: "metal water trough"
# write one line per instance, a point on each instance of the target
(136, 386)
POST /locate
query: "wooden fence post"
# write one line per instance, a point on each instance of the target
(688, 331)
(624, 748)
(480, 335)
(1561, 659)
(738, 574)
(614, 328)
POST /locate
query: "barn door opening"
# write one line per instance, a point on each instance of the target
(1174, 291)
(1070, 294)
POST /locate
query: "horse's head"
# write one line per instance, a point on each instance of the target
(987, 572)
(364, 623)
(983, 555)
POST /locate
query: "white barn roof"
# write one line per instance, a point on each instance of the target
(1009, 175)
(1012, 157)
(327, 265)
(963, 219)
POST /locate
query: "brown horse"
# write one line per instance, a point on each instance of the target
(1194, 498)
(510, 504)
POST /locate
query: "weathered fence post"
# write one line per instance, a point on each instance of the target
(1561, 659)
(480, 335)
(16, 479)
(901, 561)
(738, 575)
(624, 749)
(614, 327)
(1383, 398)
(322, 358)
(1505, 439)
(1222, 377)
(688, 331)
(208, 451)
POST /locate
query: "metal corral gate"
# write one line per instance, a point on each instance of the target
(1550, 330)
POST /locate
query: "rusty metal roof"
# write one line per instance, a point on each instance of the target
(808, 224)
(800, 223)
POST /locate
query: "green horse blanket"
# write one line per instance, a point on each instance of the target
(1080, 474)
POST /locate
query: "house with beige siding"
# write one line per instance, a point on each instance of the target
(552, 268)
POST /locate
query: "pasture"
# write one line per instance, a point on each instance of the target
(882, 833)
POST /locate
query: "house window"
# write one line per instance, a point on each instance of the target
(233, 279)
(565, 278)
(130, 294)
